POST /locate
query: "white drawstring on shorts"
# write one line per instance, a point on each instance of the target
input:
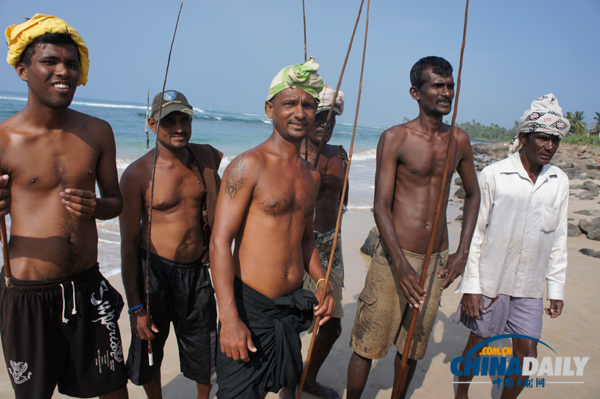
(74, 310)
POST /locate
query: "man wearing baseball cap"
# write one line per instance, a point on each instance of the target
(59, 317)
(519, 247)
(186, 185)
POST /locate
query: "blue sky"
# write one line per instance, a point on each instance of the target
(226, 52)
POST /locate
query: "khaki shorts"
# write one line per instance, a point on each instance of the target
(383, 316)
(324, 243)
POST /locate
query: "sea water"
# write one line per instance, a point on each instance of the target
(229, 132)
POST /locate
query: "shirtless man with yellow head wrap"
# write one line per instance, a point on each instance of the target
(266, 204)
(59, 319)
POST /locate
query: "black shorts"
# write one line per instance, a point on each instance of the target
(180, 293)
(62, 332)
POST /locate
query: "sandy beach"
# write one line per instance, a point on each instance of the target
(574, 333)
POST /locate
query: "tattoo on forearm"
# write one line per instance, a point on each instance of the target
(235, 180)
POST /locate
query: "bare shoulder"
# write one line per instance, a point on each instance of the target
(140, 170)
(15, 125)
(463, 141)
(397, 134)
(91, 123)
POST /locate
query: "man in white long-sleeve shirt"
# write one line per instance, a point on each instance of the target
(520, 241)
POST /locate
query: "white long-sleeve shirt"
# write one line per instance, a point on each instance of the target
(520, 241)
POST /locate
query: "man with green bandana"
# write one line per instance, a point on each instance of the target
(266, 204)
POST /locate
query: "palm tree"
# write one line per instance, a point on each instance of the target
(578, 126)
(597, 124)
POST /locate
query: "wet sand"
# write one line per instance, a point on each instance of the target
(574, 333)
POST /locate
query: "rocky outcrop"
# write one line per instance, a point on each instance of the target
(369, 246)
(591, 228)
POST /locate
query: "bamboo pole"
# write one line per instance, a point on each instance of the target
(146, 122)
(150, 354)
(337, 89)
(400, 382)
(7, 272)
(305, 58)
(341, 208)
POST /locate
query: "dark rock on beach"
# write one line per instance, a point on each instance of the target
(591, 228)
(573, 230)
(590, 252)
(460, 193)
(369, 246)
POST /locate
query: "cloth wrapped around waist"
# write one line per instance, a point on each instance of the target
(275, 325)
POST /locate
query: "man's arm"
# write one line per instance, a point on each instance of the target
(466, 170)
(312, 265)
(385, 181)
(557, 270)
(129, 222)
(239, 179)
(470, 286)
(83, 203)
(5, 197)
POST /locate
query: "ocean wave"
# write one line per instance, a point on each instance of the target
(105, 105)
(122, 163)
(199, 110)
(269, 122)
(109, 241)
(360, 206)
(13, 98)
(365, 155)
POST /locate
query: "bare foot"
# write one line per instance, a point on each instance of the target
(320, 390)
(286, 393)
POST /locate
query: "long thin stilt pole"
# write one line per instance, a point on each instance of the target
(341, 208)
(400, 381)
(305, 58)
(7, 273)
(337, 89)
(146, 122)
(150, 355)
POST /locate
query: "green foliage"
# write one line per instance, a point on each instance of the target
(581, 139)
(578, 126)
(476, 130)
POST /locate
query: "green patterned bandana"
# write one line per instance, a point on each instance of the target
(303, 76)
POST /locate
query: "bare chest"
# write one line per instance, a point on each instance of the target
(174, 188)
(426, 161)
(287, 196)
(47, 164)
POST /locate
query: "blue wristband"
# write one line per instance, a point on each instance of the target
(136, 307)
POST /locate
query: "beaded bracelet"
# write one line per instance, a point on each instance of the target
(136, 308)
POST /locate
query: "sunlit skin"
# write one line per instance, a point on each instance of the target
(266, 204)
(410, 163)
(55, 156)
(176, 218)
(55, 206)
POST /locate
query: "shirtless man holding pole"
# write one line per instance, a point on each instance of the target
(410, 164)
(332, 166)
(266, 205)
(59, 320)
(185, 194)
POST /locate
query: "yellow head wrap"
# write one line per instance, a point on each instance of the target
(19, 36)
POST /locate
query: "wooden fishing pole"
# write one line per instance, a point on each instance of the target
(341, 208)
(7, 273)
(146, 122)
(337, 89)
(305, 58)
(150, 355)
(400, 383)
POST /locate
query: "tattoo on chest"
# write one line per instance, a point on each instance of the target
(235, 178)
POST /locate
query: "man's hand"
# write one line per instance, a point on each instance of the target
(454, 268)
(80, 203)
(410, 284)
(472, 305)
(555, 308)
(236, 340)
(142, 325)
(325, 307)
(4, 196)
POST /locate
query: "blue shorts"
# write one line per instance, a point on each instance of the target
(507, 314)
